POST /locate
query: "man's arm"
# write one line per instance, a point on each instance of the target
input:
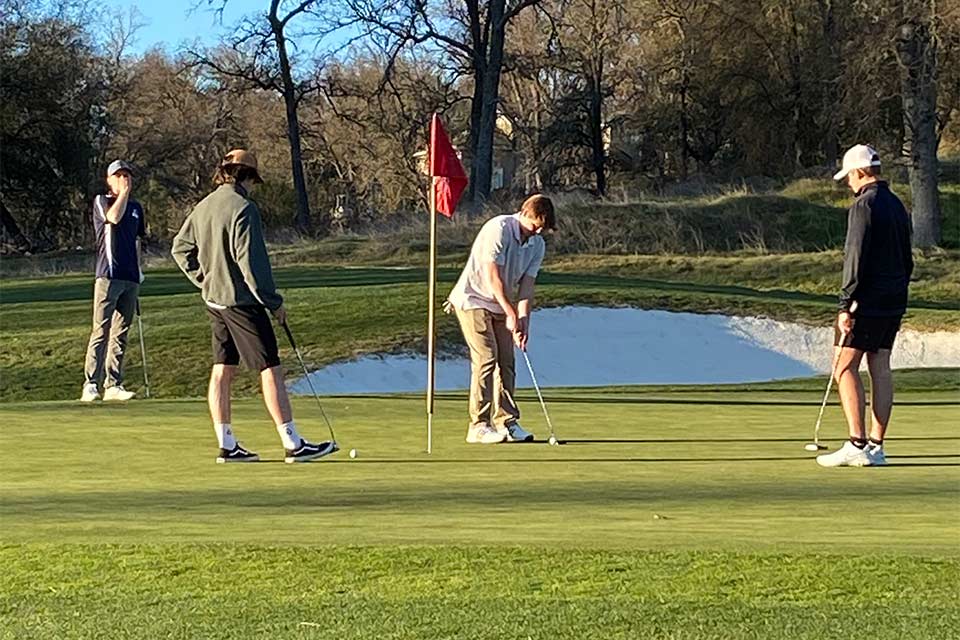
(854, 250)
(524, 305)
(186, 254)
(495, 280)
(119, 207)
(141, 242)
(250, 252)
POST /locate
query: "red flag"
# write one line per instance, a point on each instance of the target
(447, 175)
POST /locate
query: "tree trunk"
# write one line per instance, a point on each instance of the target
(796, 83)
(918, 74)
(684, 125)
(302, 219)
(830, 144)
(483, 160)
(476, 110)
(12, 229)
(596, 126)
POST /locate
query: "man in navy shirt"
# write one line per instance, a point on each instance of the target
(877, 264)
(118, 224)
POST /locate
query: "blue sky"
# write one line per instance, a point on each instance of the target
(169, 23)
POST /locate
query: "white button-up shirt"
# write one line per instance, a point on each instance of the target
(499, 241)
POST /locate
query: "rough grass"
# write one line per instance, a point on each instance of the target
(805, 216)
(686, 514)
(240, 591)
(338, 313)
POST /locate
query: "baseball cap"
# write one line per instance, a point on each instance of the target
(244, 158)
(859, 156)
(119, 165)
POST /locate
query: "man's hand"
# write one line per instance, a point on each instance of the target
(522, 332)
(845, 322)
(280, 315)
(126, 184)
(511, 319)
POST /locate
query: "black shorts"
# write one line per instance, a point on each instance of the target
(243, 334)
(870, 334)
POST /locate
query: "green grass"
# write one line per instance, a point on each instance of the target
(244, 591)
(691, 513)
(686, 512)
(338, 313)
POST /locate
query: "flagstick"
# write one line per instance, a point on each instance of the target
(431, 317)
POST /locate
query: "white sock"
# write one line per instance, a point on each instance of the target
(225, 436)
(288, 434)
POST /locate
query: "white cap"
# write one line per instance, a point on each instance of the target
(860, 156)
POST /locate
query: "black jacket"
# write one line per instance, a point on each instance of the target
(877, 258)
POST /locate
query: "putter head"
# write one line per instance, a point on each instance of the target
(815, 446)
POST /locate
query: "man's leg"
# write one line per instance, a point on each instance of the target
(854, 452)
(507, 412)
(258, 349)
(850, 387)
(126, 307)
(103, 308)
(275, 395)
(218, 398)
(218, 393)
(225, 359)
(881, 393)
(477, 327)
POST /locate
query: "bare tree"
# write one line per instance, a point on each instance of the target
(473, 32)
(917, 55)
(261, 47)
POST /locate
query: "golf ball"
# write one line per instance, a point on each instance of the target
(811, 447)
(552, 440)
(353, 453)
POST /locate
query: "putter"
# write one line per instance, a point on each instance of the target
(815, 445)
(306, 374)
(143, 349)
(543, 405)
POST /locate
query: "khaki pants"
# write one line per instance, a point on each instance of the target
(492, 370)
(114, 303)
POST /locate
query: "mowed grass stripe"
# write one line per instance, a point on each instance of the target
(662, 476)
(473, 590)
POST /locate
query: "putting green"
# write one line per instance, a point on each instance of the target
(691, 514)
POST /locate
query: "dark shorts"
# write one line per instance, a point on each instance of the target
(870, 334)
(243, 334)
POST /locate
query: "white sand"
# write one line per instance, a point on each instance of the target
(595, 346)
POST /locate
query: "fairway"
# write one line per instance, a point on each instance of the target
(681, 514)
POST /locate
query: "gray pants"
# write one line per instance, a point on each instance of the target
(114, 303)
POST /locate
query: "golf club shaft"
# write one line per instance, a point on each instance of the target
(143, 350)
(536, 386)
(306, 374)
(826, 395)
(833, 374)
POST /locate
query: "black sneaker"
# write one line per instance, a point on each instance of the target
(237, 454)
(308, 451)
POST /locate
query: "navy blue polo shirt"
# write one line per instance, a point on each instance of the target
(117, 243)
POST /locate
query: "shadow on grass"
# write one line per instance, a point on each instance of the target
(725, 440)
(325, 488)
(551, 398)
(904, 465)
(170, 282)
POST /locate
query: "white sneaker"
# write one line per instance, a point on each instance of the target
(876, 455)
(848, 455)
(117, 394)
(90, 393)
(516, 433)
(484, 435)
